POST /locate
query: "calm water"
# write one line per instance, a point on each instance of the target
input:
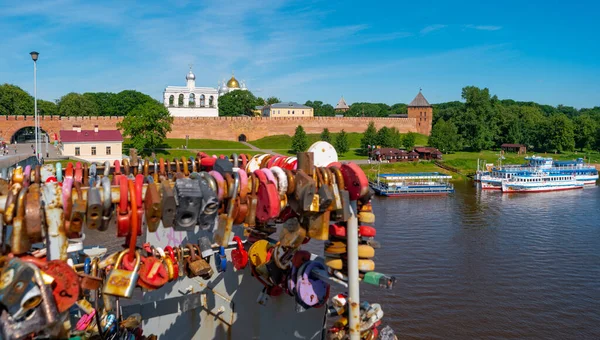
(485, 265)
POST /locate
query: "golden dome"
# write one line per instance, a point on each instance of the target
(233, 83)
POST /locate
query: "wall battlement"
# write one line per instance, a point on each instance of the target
(222, 128)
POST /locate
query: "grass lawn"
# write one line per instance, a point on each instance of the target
(175, 143)
(284, 142)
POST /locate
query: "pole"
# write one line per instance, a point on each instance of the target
(35, 113)
(353, 283)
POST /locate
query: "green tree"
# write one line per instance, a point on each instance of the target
(368, 110)
(106, 103)
(125, 101)
(341, 143)
(559, 134)
(75, 104)
(325, 136)
(147, 125)
(444, 136)
(388, 138)
(369, 138)
(395, 138)
(15, 101)
(237, 103)
(300, 140)
(585, 132)
(409, 140)
(47, 108)
(320, 109)
(476, 123)
(273, 100)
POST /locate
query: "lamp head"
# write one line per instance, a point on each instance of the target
(34, 55)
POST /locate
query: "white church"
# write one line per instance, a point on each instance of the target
(192, 101)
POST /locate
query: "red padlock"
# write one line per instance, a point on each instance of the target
(139, 184)
(153, 274)
(366, 231)
(124, 214)
(355, 180)
(239, 256)
(268, 198)
(337, 231)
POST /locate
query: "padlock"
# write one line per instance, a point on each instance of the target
(189, 201)
(18, 292)
(210, 272)
(108, 211)
(355, 180)
(252, 200)
(174, 262)
(225, 223)
(122, 282)
(11, 202)
(34, 213)
(153, 206)
(206, 250)
(239, 256)
(263, 297)
(138, 186)
(169, 206)
(305, 190)
(196, 266)
(324, 191)
(19, 239)
(210, 204)
(379, 279)
(53, 213)
(87, 280)
(78, 213)
(268, 199)
(94, 207)
(124, 212)
(153, 273)
(292, 233)
(43, 317)
(318, 226)
(222, 260)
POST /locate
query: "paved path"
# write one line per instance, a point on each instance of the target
(251, 146)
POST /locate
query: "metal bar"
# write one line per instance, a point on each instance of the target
(35, 108)
(353, 278)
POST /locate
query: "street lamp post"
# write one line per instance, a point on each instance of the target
(34, 56)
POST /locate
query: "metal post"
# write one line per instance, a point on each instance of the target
(353, 282)
(35, 113)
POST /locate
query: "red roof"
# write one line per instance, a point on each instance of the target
(70, 136)
(425, 149)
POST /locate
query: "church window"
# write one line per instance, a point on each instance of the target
(302, 111)
(93, 151)
(292, 112)
(278, 111)
(77, 151)
(288, 112)
(211, 101)
(171, 100)
(202, 100)
(180, 100)
(192, 101)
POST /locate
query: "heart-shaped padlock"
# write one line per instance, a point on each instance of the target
(239, 256)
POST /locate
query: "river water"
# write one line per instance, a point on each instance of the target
(483, 265)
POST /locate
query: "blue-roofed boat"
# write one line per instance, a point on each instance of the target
(412, 184)
(493, 177)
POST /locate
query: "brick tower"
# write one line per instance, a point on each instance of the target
(422, 112)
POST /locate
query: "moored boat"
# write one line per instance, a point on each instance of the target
(412, 184)
(540, 182)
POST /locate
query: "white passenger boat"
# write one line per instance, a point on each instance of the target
(540, 182)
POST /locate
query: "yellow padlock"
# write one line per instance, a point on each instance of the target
(121, 282)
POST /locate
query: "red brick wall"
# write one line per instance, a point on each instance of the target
(422, 117)
(223, 128)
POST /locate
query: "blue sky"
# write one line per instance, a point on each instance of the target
(544, 51)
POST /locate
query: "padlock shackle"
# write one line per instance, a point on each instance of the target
(238, 240)
(133, 225)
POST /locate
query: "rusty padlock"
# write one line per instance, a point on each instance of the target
(196, 266)
(169, 206)
(121, 282)
(305, 190)
(94, 207)
(108, 210)
(153, 206)
(153, 273)
(124, 212)
(34, 213)
(19, 240)
(189, 201)
(223, 232)
(78, 213)
(87, 280)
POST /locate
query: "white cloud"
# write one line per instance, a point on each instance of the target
(432, 28)
(484, 27)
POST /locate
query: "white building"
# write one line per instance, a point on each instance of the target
(192, 101)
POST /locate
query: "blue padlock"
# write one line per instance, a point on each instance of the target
(222, 259)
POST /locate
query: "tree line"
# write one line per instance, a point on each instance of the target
(300, 140)
(484, 122)
(386, 138)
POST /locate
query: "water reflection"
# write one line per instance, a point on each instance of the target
(482, 264)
